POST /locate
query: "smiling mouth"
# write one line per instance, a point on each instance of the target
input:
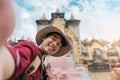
(51, 47)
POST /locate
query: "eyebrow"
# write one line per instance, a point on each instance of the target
(55, 36)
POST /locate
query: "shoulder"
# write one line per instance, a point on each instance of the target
(26, 43)
(23, 54)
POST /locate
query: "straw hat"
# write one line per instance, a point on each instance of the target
(42, 33)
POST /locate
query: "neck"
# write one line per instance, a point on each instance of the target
(41, 49)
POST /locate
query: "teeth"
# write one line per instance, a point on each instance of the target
(50, 46)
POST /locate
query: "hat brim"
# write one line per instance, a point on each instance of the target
(42, 33)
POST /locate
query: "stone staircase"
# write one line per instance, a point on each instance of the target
(64, 69)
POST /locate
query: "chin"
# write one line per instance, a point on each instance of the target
(46, 52)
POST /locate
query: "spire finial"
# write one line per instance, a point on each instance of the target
(57, 11)
(72, 17)
(43, 17)
(22, 38)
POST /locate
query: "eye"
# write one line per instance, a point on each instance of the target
(53, 38)
(59, 44)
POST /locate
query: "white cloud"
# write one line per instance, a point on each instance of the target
(24, 24)
(96, 19)
(25, 20)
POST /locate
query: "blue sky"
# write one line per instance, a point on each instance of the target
(99, 18)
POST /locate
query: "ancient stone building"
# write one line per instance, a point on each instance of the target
(69, 27)
(73, 61)
(14, 41)
(115, 48)
(96, 58)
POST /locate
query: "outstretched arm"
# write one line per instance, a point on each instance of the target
(1, 68)
(7, 64)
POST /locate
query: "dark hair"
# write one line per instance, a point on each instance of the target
(63, 39)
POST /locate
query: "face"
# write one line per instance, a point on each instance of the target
(7, 20)
(51, 44)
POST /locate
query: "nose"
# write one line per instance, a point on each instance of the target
(55, 43)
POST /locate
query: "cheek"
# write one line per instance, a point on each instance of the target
(57, 49)
(44, 44)
(47, 41)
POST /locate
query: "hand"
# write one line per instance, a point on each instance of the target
(49, 72)
(115, 69)
(115, 74)
(114, 63)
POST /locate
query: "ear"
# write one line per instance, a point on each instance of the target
(44, 38)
